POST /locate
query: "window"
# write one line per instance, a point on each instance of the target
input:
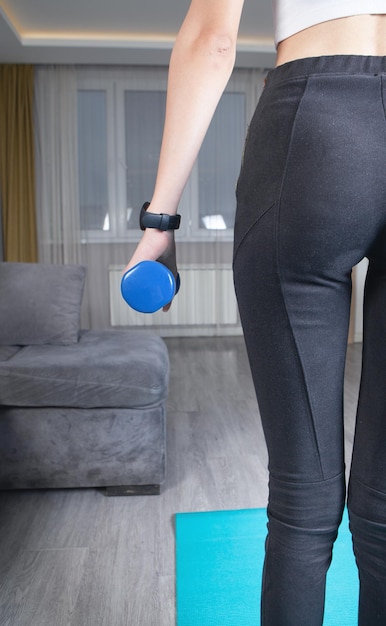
(144, 113)
(92, 160)
(219, 163)
(120, 122)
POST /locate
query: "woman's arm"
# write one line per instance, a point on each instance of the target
(201, 64)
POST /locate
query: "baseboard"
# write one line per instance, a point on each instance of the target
(133, 490)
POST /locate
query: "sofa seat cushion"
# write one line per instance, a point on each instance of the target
(7, 352)
(106, 368)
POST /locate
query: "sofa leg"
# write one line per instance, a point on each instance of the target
(133, 490)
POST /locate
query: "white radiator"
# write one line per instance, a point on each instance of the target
(206, 299)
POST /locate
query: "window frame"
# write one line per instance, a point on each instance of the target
(115, 81)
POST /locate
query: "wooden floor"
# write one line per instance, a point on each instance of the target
(78, 558)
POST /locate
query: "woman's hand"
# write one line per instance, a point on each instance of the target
(156, 245)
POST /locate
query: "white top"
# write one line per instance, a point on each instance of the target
(292, 16)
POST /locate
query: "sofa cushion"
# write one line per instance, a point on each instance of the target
(40, 304)
(6, 352)
(106, 368)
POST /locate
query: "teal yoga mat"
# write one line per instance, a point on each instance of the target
(219, 559)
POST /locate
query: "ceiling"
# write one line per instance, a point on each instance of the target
(116, 31)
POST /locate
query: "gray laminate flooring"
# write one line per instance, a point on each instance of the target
(78, 558)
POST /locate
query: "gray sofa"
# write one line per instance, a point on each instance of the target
(78, 408)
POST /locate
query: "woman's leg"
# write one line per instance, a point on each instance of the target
(296, 334)
(367, 490)
(308, 192)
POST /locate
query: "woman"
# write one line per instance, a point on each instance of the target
(311, 204)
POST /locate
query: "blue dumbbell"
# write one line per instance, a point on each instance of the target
(149, 286)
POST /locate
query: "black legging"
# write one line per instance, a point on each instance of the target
(311, 204)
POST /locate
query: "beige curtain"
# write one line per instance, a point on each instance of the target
(17, 170)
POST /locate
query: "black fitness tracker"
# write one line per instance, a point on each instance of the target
(161, 221)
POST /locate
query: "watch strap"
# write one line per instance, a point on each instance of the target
(161, 221)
